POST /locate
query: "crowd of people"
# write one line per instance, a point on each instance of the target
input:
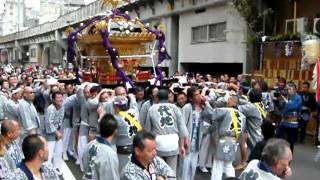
(193, 122)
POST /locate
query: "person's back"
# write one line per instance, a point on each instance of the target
(255, 114)
(99, 157)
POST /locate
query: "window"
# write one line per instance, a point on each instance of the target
(33, 52)
(209, 33)
(217, 31)
(200, 34)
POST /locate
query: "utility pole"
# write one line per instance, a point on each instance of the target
(18, 15)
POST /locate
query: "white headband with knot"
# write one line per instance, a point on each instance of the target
(16, 90)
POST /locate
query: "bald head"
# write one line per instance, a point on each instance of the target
(9, 126)
(120, 91)
(28, 93)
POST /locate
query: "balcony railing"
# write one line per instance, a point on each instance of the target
(92, 9)
(63, 21)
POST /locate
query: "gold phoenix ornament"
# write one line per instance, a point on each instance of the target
(114, 3)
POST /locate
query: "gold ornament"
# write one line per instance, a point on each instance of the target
(114, 3)
(102, 25)
(162, 26)
(69, 30)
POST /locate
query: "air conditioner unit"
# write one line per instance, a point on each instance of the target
(301, 25)
(316, 25)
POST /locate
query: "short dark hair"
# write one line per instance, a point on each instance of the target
(31, 145)
(292, 84)
(12, 76)
(163, 94)
(108, 125)
(181, 93)
(138, 89)
(191, 91)
(245, 87)
(255, 95)
(138, 140)
(54, 94)
(306, 83)
(149, 91)
(2, 81)
(282, 80)
(95, 89)
(6, 127)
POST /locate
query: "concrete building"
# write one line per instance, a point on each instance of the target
(31, 17)
(11, 16)
(212, 38)
(206, 35)
(52, 9)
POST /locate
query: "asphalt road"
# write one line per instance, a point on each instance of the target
(303, 165)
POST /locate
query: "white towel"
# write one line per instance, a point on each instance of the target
(167, 143)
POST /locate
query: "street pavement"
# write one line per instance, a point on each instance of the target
(303, 165)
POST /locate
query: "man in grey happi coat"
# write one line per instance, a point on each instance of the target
(34, 165)
(166, 121)
(10, 130)
(120, 91)
(54, 116)
(100, 160)
(144, 163)
(253, 110)
(3, 100)
(143, 112)
(28, 114)
(92, 106)
(5, 169)
(231, 124)
(195, 126)
(83, 94)
(128, 127)
(12, 105)
(67, 124)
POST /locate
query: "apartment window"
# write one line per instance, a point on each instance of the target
(33, 52)
(217, 32)
(200, 34)
(209, 33)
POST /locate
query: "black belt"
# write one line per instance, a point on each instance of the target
(88, 176)
(124, 149)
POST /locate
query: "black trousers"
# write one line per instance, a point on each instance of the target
(302, 129)
(289, 134)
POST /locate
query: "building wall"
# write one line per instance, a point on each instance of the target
(33, 53)
(233, 50)
(309, 9)
(11, 18)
